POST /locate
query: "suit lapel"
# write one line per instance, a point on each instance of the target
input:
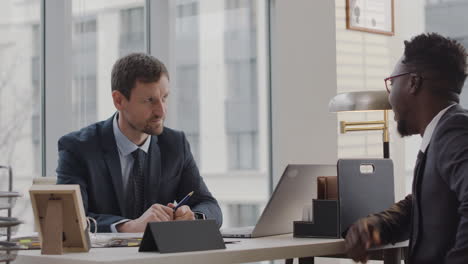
(417, 185)
(111, 157)
(154, 172)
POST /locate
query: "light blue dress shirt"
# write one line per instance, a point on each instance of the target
(125, 148)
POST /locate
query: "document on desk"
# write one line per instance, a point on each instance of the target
(98, 240)
(116, 239)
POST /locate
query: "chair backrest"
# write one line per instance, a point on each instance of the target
(44, 180)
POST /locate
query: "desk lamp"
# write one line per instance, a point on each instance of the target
(362, 102)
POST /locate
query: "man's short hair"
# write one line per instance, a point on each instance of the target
(443, 57)
(136, 67)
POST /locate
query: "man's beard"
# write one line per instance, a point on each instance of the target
(150, 130)
(402, 128)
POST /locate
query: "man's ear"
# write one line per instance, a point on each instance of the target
(119, 99)
(415, 84)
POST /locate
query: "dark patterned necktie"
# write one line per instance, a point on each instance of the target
(418, 170)
(136, 185)
(417, 180)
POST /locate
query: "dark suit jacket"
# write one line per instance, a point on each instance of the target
(439, 228)
(90, 158)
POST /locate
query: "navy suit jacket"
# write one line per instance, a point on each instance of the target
(89, 157)
(436, 218)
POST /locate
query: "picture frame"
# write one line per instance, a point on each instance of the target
(60, 218)
(373, 16)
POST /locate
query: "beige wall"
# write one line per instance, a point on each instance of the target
(363, 61)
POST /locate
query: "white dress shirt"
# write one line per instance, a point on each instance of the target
(431, 127)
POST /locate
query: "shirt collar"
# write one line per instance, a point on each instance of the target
(124, 144)
(431, 127)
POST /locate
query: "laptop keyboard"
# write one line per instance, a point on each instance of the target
(237, 231)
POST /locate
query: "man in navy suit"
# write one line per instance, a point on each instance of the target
(130, 167)
(424, 93)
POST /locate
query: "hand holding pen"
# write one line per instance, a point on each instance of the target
(181, 210)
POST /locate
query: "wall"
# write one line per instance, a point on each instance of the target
(303, 81)
(363, 61)
(314, 57)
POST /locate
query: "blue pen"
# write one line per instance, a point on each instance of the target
(183, 201)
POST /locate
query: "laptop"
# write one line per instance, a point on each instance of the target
(296, 189)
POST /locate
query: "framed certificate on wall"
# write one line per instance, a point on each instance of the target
(374, 16)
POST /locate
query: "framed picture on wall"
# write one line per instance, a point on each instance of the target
(374, 16)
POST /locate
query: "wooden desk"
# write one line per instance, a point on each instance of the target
(247, 250)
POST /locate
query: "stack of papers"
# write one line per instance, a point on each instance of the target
(98, 240)
(116, 239)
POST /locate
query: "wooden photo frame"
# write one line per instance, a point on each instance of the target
(60, 218)
(374, 16)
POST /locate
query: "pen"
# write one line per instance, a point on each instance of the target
(183, 201)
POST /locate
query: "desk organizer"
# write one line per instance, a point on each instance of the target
(363, 187)
(326, 222)
(8, 225)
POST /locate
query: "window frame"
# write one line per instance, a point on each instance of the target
(56, 21)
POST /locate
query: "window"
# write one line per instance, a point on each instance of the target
(36, 87)
(219, 97)
(186, 99)
(84, 70)
(188, 105)
(451, 26)
(102, 33)
(132, 37)
(218, 65)
(241, 66)
(20, 133)
(242, 214)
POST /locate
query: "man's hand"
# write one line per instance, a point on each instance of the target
(182, 213)
(156, 213)
(362, 235)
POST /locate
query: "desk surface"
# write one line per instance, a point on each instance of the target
(247, 250)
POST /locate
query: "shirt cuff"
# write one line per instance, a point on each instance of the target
(113, 226)
(200, 216)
